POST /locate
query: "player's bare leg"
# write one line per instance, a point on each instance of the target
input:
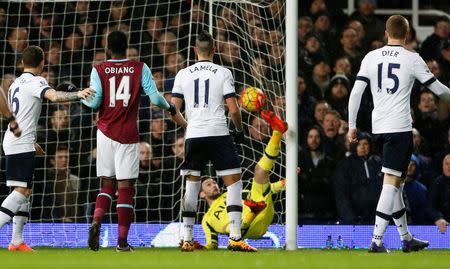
(125, 213)
(102, 205)
(20, 217)
(190, 201)
(234, 211)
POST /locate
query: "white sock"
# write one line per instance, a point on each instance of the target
(19, 222)
(10, 206)
(399, 215)
(384, 212)
(234, 209)
(190, 208)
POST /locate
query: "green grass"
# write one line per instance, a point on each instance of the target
(268, 259)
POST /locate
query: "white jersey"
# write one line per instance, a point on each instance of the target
(391, 72)
(25, 101)
(204, 86)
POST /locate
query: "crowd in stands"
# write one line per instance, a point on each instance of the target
(338, 183)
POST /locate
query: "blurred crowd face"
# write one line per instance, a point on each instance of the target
(145, 154)
(228, 17)
(178, 148)
(301, 85)
(313, 139)
(49, 75)
(2, 17)
(276, 55)
(197, 12)
(446, 165)
(59, 120)
(349, 39)
(276, 9)
(366, 7)
(434, 67)
(321, 70)
(322, 24)
(73, 42)
(7, 80)
(167, 43)
(61, 160)
(320, 110)
(154, 26)
(339, 91)
(118, 11)
(363, 148)
(82, 7)
(158, 77)
(317, 6)
(411, 169)
(312, 45)
(259, 68)
(359, 28)
(18, 39)
(304, 27)
(258, 35)
(259, 129)
(132, 54)
(45, 26)
(275, 37)
(417, 139)
(427, 103)
(230, 52)
(158, 127)
(343, 66)
(175, 62)
(442, 29)
(54, 55)
(331, 125)
(99, 57)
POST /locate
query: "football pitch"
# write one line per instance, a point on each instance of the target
(173, 258)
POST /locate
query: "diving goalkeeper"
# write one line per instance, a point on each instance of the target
(258, 210)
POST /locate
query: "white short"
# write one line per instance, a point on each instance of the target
(115, 159)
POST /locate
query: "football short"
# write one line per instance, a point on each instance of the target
(396, 151)
(115, 159)
(20, 169)
(220, 150)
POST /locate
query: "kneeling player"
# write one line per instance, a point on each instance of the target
(259, 209)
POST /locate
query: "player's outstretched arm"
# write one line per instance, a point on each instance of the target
(60, 96)
(13, 126)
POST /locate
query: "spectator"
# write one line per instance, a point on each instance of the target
(17, 41)
(305, 26)
(66, 186)
(230, 57)
(432, 44)
(415, 194)
(320, 110)
(259, 73)
(174, 63)
(427, 122)
(132, 54)
(57, 133)
(360, 33)
(373, 26)
(342, 66)
(316, 195)
(333, 142)
(320, 79)
(440, 194)
(444, 60)
(349, 47)
(150, 37)
(311, 54)
(6, 82)
(338, 93)
(358, 183)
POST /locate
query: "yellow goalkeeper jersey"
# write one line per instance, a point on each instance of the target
(215, 221)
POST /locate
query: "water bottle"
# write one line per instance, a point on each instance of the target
(329, 242)
(340, 243)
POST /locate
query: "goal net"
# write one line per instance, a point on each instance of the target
(250, 41)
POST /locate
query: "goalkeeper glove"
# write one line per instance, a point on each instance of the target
(172, 109)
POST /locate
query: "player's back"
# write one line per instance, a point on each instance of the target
(25, 101)
(121, 87)
(391, 71)
(204, 86)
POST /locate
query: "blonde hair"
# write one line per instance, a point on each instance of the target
(397, 26)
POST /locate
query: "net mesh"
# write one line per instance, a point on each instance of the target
(249, 40)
